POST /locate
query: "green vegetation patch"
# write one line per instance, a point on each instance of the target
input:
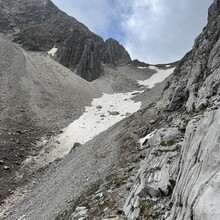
(144, 209)
(168, 143)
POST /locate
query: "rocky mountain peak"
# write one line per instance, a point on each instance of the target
(41, 26)
(117, 53)
(214, 11)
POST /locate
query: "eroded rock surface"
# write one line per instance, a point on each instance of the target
(197, 193)
(157, 173)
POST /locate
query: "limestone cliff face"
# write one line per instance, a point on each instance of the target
(40, 26)
(180, 178)
(197, 192)
(196, 81)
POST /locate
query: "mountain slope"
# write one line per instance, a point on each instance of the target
(160, 163)
(66, 180)
(41, 26)
(38, 97)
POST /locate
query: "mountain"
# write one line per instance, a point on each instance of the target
(113, 161)
(38, 97)
(38, 25)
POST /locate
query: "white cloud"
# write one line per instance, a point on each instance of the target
(155, 31)
(159, 31)
(142, 24)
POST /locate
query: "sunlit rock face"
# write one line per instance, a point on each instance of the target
(197, 193)
(193, 175)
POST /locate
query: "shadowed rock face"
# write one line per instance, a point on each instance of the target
(40, 26)
(117, 53)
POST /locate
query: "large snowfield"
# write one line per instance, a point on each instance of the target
(103, 113)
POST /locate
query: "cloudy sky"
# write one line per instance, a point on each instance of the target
(154, 31)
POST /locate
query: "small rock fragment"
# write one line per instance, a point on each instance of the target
(113, 113)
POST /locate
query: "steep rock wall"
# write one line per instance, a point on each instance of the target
(197, 192)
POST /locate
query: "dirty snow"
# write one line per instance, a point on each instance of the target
(101, 115)
(158, 77)
(52, 51)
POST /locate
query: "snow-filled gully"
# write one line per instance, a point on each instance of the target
(158, 77)
(103, 113)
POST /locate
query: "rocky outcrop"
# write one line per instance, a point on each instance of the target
(196, 80)
(116, 52)
(40, 26)
(197, 192)
(179, 179)
(156, 176)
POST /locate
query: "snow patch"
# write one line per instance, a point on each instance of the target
(158, 77)
(153, 67)
(52, 51)
(142, 67)
(80, 213)
(168, 66)
(147, 137)
(101, 115)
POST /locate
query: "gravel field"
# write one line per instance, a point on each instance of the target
(40, 97)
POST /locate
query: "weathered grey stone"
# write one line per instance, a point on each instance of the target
(197, 192)
(80, 213)
(156, 171)
(116, 52)
(113, 113)
(77, 144)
